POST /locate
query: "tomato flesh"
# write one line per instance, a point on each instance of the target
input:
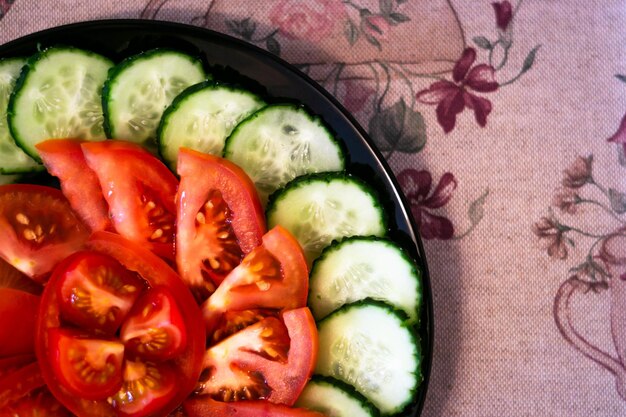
(273, 275)
(10, 277)
(19, 383)
(96, 292)
(38, 403)
(38, 228)
(18, 310)
(88, 368)
(155, 329)
(271, 359)
(202, 407)
(64, 159)
(139, 190)
(220, 219)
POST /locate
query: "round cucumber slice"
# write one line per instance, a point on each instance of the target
(364, 267)
(13, 160)
(281, 142)
(140, 88)
(320, 208)
(58, 95)
(202, 117)
(334, 398)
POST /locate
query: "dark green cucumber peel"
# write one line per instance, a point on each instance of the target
(348, 389)
(338, 244)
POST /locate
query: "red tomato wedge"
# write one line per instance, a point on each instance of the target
(202, 407)
(12, 278)
(38, 228)
(271, 359)
(139, 190)
(150, 384)
(38, 403)
(11, 363)
(64, 159)
(18, 312)
(220, 219)
(274, 275)
(19, 383)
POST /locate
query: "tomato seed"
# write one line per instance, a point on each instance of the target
(22, 219)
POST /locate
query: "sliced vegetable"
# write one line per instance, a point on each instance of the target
(271, 359)
(281, 142)
(12, 158)
(64, 159)
(274, 275)
(364, 267)
(202, 117)
(38, 403)
(19, 383)
(220, 220)
(202, 407)
(139, 89)
(58, 95)
(38, 228)
(10, 277)
(369, 346)
(335, 399)
(18, 310)
(139, 190)
(318, 209)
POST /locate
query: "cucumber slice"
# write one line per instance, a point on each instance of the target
(202, 117)
(140, 88)
(8, 179)
(58, 96)
(320, 208)
(369, 345)
(281, 142)
(364, 267)
(334, 399)
(13, 160)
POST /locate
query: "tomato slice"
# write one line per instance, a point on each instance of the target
(89, 368)
(38, 228)
(147, 388)
(220, 219)
(19, 383)
(18, 310)
(271, 359)
(202, 407)
(12, 363)
(10, 277)
(64, 159)
(39, 403)
(155, 329)
(139, 190)
(273, 275)
(233, 321)
(96, 292)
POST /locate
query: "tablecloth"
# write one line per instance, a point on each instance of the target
(504, 124)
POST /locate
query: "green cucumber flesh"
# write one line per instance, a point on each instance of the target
(364, 267)
(281, 142)
(13, 159)
(202, 117)
(139, 89)
(369, 346)
(58, 95)
(320, 208)
(334, 398)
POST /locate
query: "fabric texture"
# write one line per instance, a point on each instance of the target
(503, 123)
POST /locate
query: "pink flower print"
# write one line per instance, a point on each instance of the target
(310, 20)
(417, 187)
(356, 95)
(578, 173)
(566, 200)
(375, 26)
(504, 14)
(620, 135)
(553, 234)
(452, 98)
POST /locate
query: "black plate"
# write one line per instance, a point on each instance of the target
(234, 60)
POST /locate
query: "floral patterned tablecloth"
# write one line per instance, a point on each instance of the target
(504, 123)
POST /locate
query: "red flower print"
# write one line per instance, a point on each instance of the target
(417, 186)
(355, 95)
(452, 98)
(504, 14)
(311, 20)
(620, 135)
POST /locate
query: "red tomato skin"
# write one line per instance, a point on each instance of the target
(64, 159)
(207, 407)
(37, 403)
(237, 292)
(37, 200)
(200, 174)
(18, 310)
(11, 363)
(124, 171)
(19, 383)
